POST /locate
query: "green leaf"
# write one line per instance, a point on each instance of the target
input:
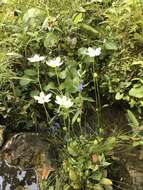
(89, 99)
(58, 185)
(136, 92)
(71, 85)
(119, 96)
(31, 13)
(138, 143)
(110, 45)
(51, 188)
(34, 93)
(98, 187)
(62, 74)
(138, 79)
(89, 29)
(133, 122)
(76, 116)
(51, 40)
(110, 143)
(3, 1)
(67, 187)
(138, 63)
(25, 81)
(106, 181)
(72, 151)
(51, 85)
(30, 72)
(73, 175)
(78, 18)
(76, 185)
(82, 51)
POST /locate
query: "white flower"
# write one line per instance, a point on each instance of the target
(36, 58)
(43, 98)
(64, 101)
(93, 52)
(54, 62)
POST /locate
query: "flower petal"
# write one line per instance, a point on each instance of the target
(58, 100)
(94, 52)
(47, 98)
(42, 95)
(64, 101)
(98, 51)
(36, 58)
(54, 62)
(41, 101)
(36, 97)
(43, 98)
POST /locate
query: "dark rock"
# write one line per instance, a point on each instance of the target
(127, 171)
(14, 178)
(134, 166)
(30, 150)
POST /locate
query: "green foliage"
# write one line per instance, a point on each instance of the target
(133, 122)
(85, 164)
(122, 76)
(62, 31)
(34, 28)
(5, 71)
(67, 29)
(136, 126)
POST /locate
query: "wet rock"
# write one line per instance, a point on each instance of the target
(134, 166)
(30, 150)
(127, 172)
(2, 130)
(14, 178)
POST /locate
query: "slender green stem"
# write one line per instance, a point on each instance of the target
(99, 103)
(47, 115)
(68, 125)
(80, 112)
(46, 112)
(97, 96)
(38, 77)
(57, 75)
(64, 120)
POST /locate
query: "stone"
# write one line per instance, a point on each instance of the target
(127, 171)
(30, 150)
(15, 178)
(134, 166)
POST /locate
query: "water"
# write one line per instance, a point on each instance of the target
(13, 178)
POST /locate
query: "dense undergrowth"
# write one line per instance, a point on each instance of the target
(85, 51)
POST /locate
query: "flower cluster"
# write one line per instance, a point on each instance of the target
(93, 52)
(56, 62)
(63, 101)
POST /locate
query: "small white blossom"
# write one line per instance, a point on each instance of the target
(93, 52)
(54, 62)
(43, 98)
(36, 58)
(64, 101)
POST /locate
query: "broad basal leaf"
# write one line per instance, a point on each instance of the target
(133, 122)
(136, 92)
